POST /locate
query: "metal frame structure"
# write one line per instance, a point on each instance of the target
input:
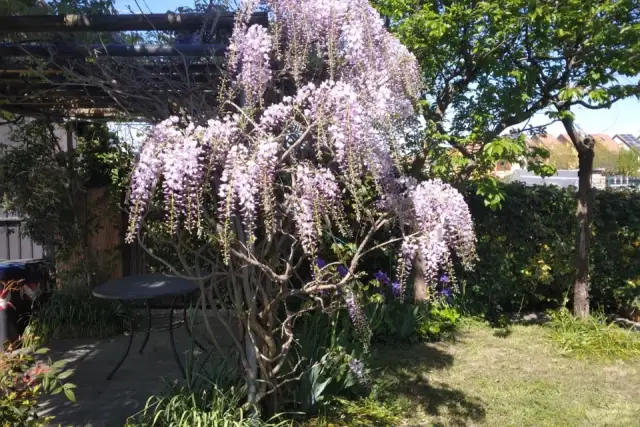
(43, 77)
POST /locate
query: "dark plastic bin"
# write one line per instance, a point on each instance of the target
(16, 303)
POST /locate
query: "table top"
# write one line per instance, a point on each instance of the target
(145, 286)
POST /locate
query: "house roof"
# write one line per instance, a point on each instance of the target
(629, 140)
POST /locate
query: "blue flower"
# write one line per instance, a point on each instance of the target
(396, 289)
(342, 270)
(444, 279)
(382, 277)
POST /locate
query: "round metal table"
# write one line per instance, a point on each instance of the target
(147, 287)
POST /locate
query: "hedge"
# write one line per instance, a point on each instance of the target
(526, 251)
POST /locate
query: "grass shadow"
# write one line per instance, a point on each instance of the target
(407, 371)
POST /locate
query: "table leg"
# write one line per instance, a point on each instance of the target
(146, 337)
(126, 353)
(186, 325)
(173, 343)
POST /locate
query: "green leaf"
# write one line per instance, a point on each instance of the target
(65, 374)
(59, 364)
(68, 392)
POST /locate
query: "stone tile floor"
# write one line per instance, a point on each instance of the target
(108, 403)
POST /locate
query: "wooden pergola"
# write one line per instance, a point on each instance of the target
(47, 75)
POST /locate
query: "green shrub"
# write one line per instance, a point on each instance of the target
(393, 321)
(332, 360)
(366, 412)
(72, 312)
(24, 378)
(526, 251)
(593, 338)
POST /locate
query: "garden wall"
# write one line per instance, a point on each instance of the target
(526, 251)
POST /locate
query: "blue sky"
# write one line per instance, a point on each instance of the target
(623, 117)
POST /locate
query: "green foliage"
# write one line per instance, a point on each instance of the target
(72, 312)
(526, 251)
(593, 338)
(489, 66)
(325, 347)
(368, 412)
(45, 184)
(23, 379)
(401, 322)
(212, 407)
(628, 163)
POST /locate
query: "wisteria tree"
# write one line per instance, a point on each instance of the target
(312, 111)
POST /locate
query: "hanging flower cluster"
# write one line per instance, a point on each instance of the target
(316, 193)
(299, 156)
(444, 224)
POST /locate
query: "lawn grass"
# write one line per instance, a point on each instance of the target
(518, 378)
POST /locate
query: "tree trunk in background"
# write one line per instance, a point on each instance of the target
(583, 233)
(420, 293)
(584, 145)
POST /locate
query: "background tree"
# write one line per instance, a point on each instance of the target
(490, 65)
(467, 51)
(579, 54)
(628, 163)
(563, 156)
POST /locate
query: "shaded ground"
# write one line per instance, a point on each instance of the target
(107, 403)
(484, 378)
(515, 379)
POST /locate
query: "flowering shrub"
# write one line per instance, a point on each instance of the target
(22, 380)
(312, 110)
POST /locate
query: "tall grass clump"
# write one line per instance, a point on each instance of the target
(213, 395)
(72, 312)
(593, 338)
(211, 408)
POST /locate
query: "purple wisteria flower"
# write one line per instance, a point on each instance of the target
(266, 163)
(357, 367)
(357, 316)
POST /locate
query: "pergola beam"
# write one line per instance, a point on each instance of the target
(115, 50)
(129, 22)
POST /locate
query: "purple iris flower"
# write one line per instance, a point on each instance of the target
(396, 289)
(342, 270)
(382, 277)
(446, 292)
(444, 279)
(320, 263)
